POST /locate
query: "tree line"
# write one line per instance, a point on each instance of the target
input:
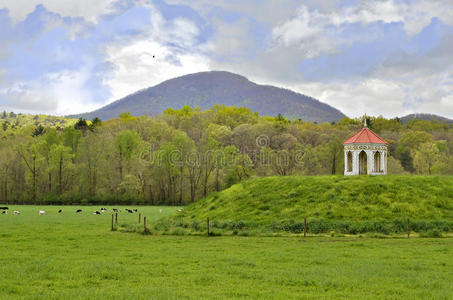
(184, 154)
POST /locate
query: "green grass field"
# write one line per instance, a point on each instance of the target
(76, 256)
(347, 205)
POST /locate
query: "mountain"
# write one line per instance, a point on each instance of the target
(206, 89)
(426, 117)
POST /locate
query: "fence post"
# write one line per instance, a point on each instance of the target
(207, 224)
(305, 227)
(112, 222)
(408, 228)
(144, 224)
(139, 218)
(116, 218)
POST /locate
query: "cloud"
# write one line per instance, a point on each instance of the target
(145, 63)
(387, 57)
(57, 93)
(379, 57)
(67, 65)
(166, 49)
(42, 57)
(270, 12)
(88, 9)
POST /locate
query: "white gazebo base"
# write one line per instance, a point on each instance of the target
(370, 173)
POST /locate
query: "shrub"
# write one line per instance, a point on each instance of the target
(434, 233)
(237, 225)
(177, 231)
(214, 233)
(196, 226)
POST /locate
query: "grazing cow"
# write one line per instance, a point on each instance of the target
(59, 211)
(78, 211)
(103, 209)
(42, 212)
(5, 212)
(4, 208)
(96, 213)
(135, 210)
(129, 211)
(16, 212)
(115, 210)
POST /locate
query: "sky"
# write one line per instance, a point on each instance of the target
(382, 57)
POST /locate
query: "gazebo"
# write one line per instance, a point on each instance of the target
(365, 153)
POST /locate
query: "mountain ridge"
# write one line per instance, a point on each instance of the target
(206, 89)
(425, 117)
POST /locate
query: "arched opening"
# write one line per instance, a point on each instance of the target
(377, 162)
(363, 162)
(349, 161)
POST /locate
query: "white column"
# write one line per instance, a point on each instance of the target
(345, 161)
(355, 162)
(370, 161)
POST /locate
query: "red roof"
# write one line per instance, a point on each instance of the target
(365, 136)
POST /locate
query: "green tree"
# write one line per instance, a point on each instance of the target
(426, 157)
(60, 160)
(334, 151)
(29, 153)
(310, 162)
(91, 151)
(126, 143)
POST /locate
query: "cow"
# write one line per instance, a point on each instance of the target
(4, 208)
(16, 212)
(42, 212)
(59, 211)
(5, 212)
(96, 213)
(129, 211)
(136, 210)
(103, 209)
(78, 211)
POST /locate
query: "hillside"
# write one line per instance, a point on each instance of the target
(350, 204)
(12, 120)
(425, 117)
(206, 89)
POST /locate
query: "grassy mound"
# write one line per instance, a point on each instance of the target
(330, 203)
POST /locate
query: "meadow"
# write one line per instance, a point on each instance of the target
(331, 204)
(77, 256)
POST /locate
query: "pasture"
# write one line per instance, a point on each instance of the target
(342, 204)
(76, 256)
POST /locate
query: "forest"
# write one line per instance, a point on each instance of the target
(182, 155)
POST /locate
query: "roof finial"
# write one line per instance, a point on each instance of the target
(364, 121)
